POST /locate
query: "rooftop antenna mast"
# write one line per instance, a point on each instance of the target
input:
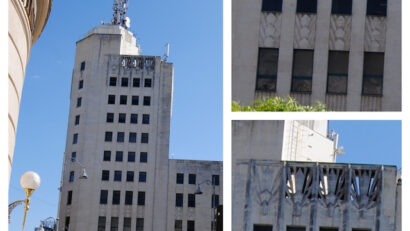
(119, 17)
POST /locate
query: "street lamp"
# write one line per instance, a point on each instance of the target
(29, 181)
(198, 191)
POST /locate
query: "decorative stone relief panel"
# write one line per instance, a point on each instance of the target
(375, 34)
(332, 188)
(339, 33)
(300, 186)
(305, 30)
(269, 30)
(365, 189)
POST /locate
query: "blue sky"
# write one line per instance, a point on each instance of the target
(194, 31)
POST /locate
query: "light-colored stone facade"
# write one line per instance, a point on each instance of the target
(27, 19)
(320, 32)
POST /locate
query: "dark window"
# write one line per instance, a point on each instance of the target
(69, 197)
(123, 99)
(113, 81)
(124, 82)
(105, 175)
(373, 69)
(79, 99)
(133, 137)
(75, 138)
(145, 119)
(295, 228)
(191, 179)
(191, 200)
(80, 84)
(262, 228)
(144, 138)
(338, 68)
(127, 222)
(267, 69)
(179, 200)
(121, 118)
(120, 137)
(377, 7)
(67, 223)
(77, 120)
(272, 5)
(117, 175)
(135, 100)
(114, 224)
(136, 82)
(328, 229)
(147, 83)
(306, 6)
(143, 157)
(134, 118)
(131, 156)
(118, 156)
(147, 100)
(141, 198)
(108, 136)
(180, 178)
(111, 99)
(360, 229)
(110, 117)
(142, 177)
(215, 201)
(130, 176)
(342, 7)
(215, 179)
(107, 156)
(140, 224)
(82, 66)
(128, 197)
(101, 223)
(103, 196)
(191, 226)
(302, 71)
(178, 225)
(73, 156)
(116, 197)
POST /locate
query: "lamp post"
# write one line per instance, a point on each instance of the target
(199, 192)
(29, 181)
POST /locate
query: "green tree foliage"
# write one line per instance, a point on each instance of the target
(287, 104)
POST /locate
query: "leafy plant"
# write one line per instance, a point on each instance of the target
(287, 104)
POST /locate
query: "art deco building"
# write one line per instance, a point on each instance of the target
(118, 132)
(285, 178)
(343, 53)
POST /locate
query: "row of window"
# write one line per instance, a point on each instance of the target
(132, 137)
(115, 227)
(300, 228)
(122, 118)
(179, 200)
(338, 68)
(124, 82)
(123, 100)
(116, 197)
(192, 179)
(130, 158)
(374, 7)
(105, 176)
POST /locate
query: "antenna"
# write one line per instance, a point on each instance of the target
(120, 10)
(166, 54)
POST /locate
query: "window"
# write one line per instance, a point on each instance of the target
(75, 138)
(145, 119)
(338, 68)
(80, 84)
(67, 223)
(114, 224)
(110, 117)
(262, 228)
(108, 136)
(144, 138)
(116, 197)
(79, 101)
(302, 71)
(147, 100)
(328, 229)
(105, 176)
(82, 66)
(127, 224)
(191, 179)
(128, 197)
(306, 6)
(140, 224)
(215, 201)
(267, 69)
(373, 68)
(130, 176)
(113, 81)
(117, 175)
(69, 197)
(178, 225)
(123, 99)
(124, 82)
(136, 82)
(73, 156)
(71, 179)
(272, 5)
(180, 178)
(133, 137)
(101, 223)
(295, 228)
(147, 83)
(141, 198)
(121, 117)
(107, 156)
(118, 156)
(179, 200)
(77, 120)
(143, 157)
(134, 100)
(131, 156)
(377, 7)
(191, 200)
(111, 99)
(191, 226)
(103, 197)
(142, 177)
(361, 229)
(134, 118)
(215, 179)
(342, 7)
(120, 137)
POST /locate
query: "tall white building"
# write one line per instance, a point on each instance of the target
(118, 132)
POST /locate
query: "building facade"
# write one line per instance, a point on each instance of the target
(343, 53)
(118, 135)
